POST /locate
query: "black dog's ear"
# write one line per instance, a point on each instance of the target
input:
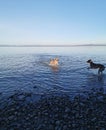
(89, 61)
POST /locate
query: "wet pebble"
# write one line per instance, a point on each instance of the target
(54, 112)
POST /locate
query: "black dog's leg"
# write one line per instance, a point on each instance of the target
(99, 71)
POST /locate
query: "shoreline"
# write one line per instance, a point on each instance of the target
(25, 111)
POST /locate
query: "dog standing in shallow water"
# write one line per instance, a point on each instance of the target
(100, 67)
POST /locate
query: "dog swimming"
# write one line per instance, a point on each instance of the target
(54, 62)
(93, 65)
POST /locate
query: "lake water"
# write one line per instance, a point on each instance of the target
(25, 69)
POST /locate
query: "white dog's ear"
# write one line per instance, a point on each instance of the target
(57, 58)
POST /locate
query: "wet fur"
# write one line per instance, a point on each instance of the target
(93, 65)
(54, 62)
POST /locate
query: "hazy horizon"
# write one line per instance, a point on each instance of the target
(50, 45)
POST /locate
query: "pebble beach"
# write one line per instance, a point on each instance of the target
(54, 112)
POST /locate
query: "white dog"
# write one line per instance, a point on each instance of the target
(54, 62)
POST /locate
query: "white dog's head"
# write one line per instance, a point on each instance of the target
(54, 62)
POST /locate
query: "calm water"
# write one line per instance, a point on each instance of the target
(25, 69)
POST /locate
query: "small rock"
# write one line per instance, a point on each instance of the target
(67, 110)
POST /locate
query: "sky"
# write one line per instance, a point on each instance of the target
(52, 22)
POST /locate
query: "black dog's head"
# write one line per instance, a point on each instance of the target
(89, 61)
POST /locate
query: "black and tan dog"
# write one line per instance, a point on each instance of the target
(100, 67)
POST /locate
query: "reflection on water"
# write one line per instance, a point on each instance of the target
(55, 68)
(96, 81)
(26, 69)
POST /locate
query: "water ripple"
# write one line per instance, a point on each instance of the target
(31, 73)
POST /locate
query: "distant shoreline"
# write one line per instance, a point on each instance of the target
(52, 45)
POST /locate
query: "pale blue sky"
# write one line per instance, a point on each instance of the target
(52, 21)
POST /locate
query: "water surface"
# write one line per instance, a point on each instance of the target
(25, 69)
